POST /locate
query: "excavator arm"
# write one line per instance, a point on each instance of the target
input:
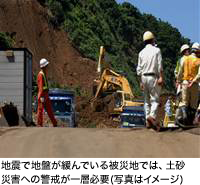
(113, 80)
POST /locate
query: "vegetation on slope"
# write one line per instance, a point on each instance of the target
(119, 27)
(5, 40)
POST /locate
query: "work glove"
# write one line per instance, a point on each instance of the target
(160, 81)
(42, 99)
(190, 84)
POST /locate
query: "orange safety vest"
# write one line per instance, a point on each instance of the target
(45, 86)
(191, 66)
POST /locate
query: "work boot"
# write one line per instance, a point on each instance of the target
(158, 127)
(155, 125)
(184, 110)
(150, 119)
(192, 115)
(148, 124)
(178, 113)
(197, 118)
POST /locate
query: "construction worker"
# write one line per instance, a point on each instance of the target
(43, 97)
(188, 76)
(150, 71)
(185, 51)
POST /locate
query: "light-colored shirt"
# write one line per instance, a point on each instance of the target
(178, 64)
(150, 61)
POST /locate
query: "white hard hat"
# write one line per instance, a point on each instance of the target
(196, 46)
(184, 47)
(43, 62)
(148, 35)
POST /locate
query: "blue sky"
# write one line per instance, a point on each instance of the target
(182, 14)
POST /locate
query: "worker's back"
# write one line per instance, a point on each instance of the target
(149, 59)
(191, 66)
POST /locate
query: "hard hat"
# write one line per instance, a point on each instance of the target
(196, 46)
(148, 35)
(184, 47)
(43, 62)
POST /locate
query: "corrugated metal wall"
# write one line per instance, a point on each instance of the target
(12, 78)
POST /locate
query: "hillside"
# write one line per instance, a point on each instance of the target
(27, 22)
(119, 27)
(70, 32)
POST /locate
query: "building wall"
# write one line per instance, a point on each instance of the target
(12, 78)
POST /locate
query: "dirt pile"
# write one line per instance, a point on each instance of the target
(28, 23)
(88, 118)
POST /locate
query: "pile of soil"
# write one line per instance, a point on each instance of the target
(86, 117)
(28, 23)
(89, 118)
(47, 122)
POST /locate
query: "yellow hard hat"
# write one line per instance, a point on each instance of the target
(184, 47)
(148, 35)
(196, 46)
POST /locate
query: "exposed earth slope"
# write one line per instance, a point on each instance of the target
(27, 22)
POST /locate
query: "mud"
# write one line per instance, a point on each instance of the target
(28, 23)
(88, 117)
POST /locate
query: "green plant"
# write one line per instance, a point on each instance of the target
(5, 40)
(118, 27)
(54, 85)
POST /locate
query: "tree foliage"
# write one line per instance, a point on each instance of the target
(5, 40)
(119, 27)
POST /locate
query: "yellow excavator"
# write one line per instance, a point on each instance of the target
(113, 93)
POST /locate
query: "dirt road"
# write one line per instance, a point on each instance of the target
(77, 142)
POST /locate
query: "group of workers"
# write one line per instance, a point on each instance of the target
(150, 70)
(187, 74)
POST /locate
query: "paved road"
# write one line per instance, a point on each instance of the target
(77, 142)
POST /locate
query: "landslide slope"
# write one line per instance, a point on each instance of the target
(27, 22)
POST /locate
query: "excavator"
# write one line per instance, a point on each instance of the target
(113, 93)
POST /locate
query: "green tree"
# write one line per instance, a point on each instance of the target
(119, 27)
(5, 40)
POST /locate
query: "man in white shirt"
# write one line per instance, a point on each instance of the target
(151, 72)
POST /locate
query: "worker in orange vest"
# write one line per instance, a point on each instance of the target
(43, 96)
(185, 52)
(188, 76)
